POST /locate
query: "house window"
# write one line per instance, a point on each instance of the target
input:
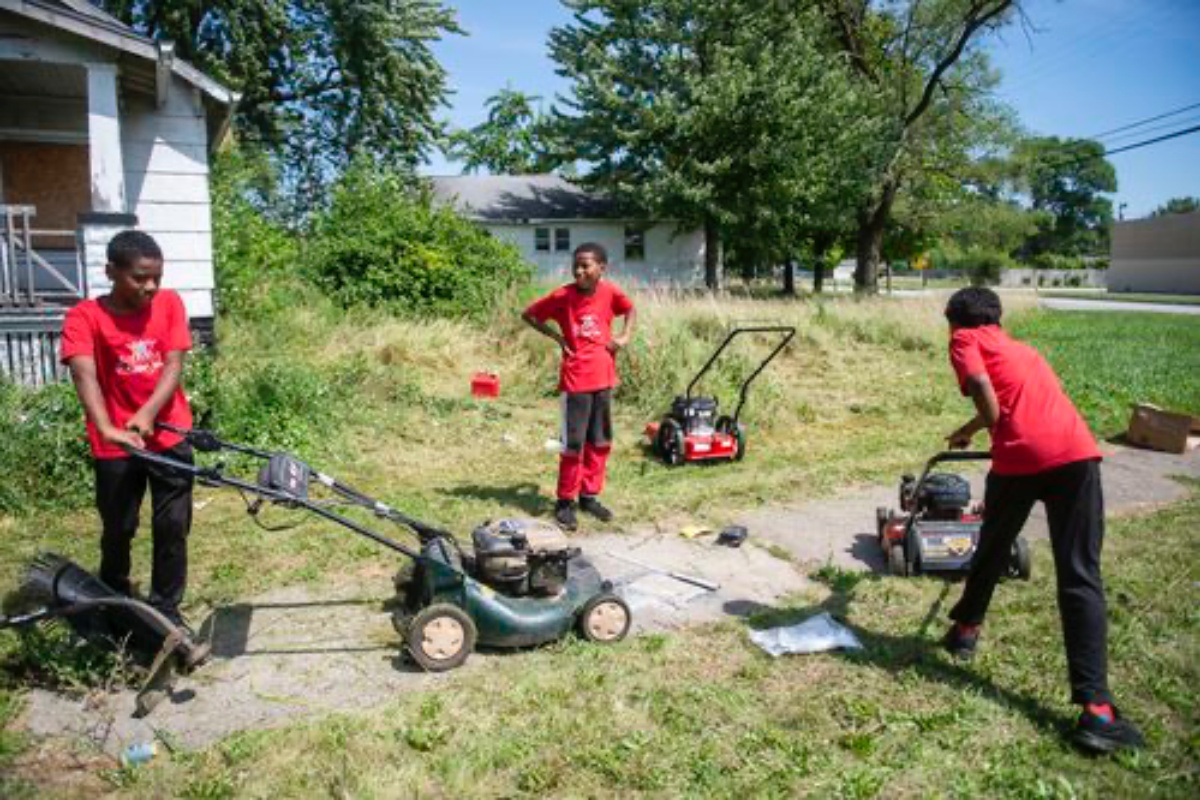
(635, 244)
(541, 240)
(562, 240)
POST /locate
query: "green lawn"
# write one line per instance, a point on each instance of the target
(864, 394)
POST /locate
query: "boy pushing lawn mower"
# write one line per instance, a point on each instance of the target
(125, 350)
(584, 313)
(1041, 450)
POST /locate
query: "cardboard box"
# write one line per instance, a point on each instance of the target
(1152, 427)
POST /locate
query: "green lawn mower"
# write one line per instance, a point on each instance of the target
(520, 584)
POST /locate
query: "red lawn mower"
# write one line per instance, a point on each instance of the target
(692, 431)
(937, 529)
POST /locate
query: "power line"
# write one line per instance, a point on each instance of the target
(1155, 140)
(1140, 123)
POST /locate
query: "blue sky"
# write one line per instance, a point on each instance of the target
(1087, 67)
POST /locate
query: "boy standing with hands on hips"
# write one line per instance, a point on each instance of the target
(584, 312)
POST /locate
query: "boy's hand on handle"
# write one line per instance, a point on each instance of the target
(961, 438)
(122, 437)
(140, 423)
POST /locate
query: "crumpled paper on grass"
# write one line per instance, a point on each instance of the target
(815, 635)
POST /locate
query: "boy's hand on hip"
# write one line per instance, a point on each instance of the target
(616, 343)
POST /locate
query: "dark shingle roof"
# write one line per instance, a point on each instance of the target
(499, 198)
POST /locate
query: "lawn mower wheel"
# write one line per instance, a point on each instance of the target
(440, 637)
(605, 619)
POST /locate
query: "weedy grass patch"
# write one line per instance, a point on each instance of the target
(862, 394)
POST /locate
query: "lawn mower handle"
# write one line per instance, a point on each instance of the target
(788, 331)
(948, 455)
(208, 441)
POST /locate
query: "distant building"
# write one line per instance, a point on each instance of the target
(547, 217)
(101, 129)
(1156, 254)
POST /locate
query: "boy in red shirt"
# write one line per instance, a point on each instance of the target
(584, 312)
(1041, 450)
(125, 350)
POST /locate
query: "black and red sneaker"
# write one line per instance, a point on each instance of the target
(1102, 733)
(961, 641)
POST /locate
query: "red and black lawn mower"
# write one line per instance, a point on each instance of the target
(937, 528)
(692, 430)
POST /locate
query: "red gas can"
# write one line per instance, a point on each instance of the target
(485, 384)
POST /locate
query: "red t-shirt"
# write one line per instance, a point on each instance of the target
(1038, 428)
(130, 353)
(586, 323)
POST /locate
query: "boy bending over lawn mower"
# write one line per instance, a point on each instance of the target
(584, 313)
(1041, 450)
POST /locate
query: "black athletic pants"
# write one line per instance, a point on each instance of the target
(1075, 511)
(120, 487)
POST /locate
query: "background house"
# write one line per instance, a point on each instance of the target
(1157, 254)
(101, 129)
(547, 217)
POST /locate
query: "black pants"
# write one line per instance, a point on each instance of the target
(120, 488)
(1075, 510)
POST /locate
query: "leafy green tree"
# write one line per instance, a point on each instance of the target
(516, 139)
(320, 81)
(1065, 178)
(920, 62)
(724, 114)
(1177, 205)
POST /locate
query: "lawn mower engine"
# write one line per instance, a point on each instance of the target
(938, 528)
(522, 557)
(692, 431)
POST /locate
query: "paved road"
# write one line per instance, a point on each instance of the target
(1071, 304)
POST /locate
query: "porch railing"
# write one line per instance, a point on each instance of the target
(29, 277)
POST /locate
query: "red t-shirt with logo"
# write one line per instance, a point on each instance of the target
(130, 351)
(586, 324)
(1039, 427)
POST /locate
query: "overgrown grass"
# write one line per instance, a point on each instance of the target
(862, 394)
(703, 713)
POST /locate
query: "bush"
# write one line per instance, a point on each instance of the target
(383, 242)
(257, 262)
(983, 267)
(43, 449)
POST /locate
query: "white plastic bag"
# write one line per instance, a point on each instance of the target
(814, 635)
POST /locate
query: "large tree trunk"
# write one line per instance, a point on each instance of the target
(819, 276)
(789, 277)
(871, 222)
(712, 255)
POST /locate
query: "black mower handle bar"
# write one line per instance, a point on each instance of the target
(207, 441)
(788, 331)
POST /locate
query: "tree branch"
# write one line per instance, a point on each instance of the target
(972, 24)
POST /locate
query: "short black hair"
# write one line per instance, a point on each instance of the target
(974, 307)
(595, 249)
(128, 246)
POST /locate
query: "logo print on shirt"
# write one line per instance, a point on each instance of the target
(588, 328)
(143, 357)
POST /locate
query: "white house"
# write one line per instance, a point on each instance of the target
(100, 129)
(1156, 254)
(547, 217)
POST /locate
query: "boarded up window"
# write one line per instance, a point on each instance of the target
(54, 179)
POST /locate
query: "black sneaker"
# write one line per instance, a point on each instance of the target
(1100, 735)
(961, 643)
(593, 506)
(564, 515)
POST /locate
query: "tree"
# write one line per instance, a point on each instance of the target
(1065, 178)
(1177, 205)
(910, 56)
(724, 114)
(515, 139)
(321, 82)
